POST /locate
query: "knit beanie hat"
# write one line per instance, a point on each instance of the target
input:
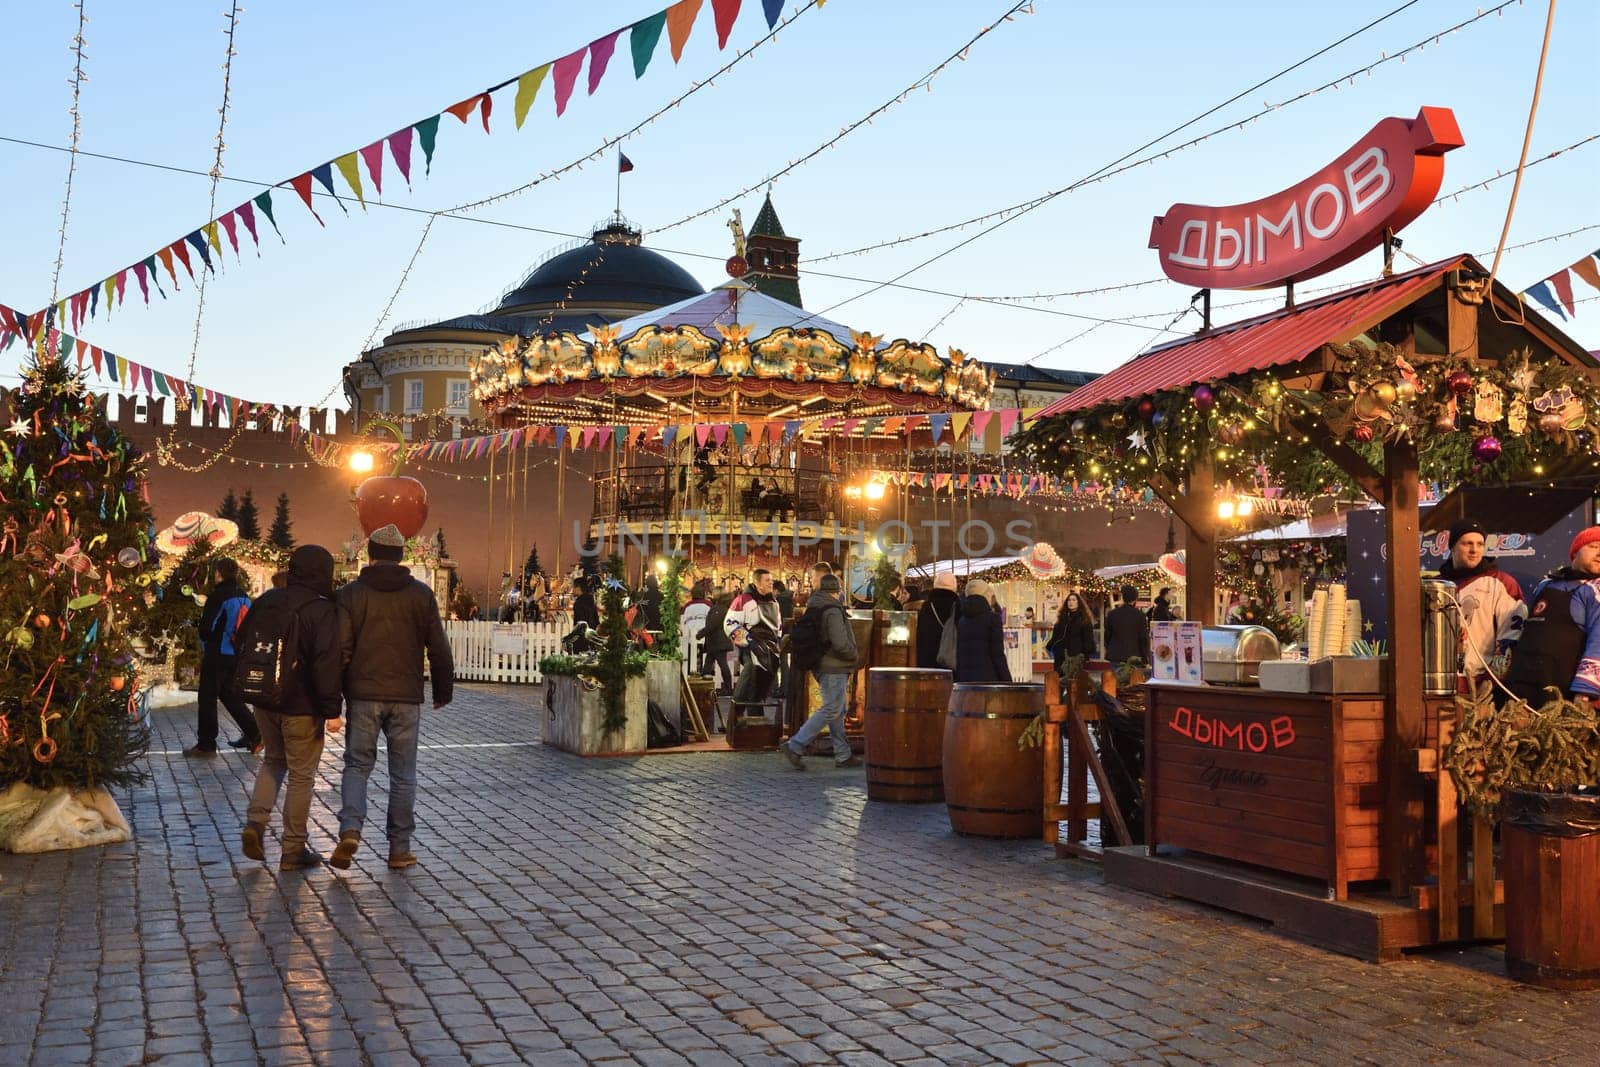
(1461, 527)
(1588, 536)
(386, 543)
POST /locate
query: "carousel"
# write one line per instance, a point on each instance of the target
(740, 422)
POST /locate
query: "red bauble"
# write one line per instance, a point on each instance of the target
(1362, 433)
(1204, 397)
(385, 499)
(1486, 449)
(1460, 382)
(1146, 409)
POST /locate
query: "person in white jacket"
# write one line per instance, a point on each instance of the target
(1492, 608)
(754, 624)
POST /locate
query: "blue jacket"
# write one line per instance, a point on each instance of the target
(225, 607)
(1586, 613)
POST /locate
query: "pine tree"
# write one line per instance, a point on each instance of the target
(249, 519)
(75, 563)
(229, 508)
(531, 567)
(279, 534)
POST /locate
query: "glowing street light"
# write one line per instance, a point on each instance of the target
(361, 461)
(874, 491)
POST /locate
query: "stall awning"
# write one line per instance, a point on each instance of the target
(1282, 337)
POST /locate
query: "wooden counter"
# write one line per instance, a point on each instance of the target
(1286, 781)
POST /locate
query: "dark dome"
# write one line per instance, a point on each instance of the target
(615, 270)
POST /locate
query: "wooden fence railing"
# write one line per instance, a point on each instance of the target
(502, 651)
(1066, 729)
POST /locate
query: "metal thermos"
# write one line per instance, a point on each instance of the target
(1441, 636)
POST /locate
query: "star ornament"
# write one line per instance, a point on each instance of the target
(1136, 439)
(19, 428)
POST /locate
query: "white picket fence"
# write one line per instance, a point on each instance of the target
(502, 651)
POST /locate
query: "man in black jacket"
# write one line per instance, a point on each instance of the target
(226, 605)
(293, 731)
(394, 620)
(1127, 630)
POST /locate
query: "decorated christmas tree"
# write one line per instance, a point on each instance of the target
(75, 570)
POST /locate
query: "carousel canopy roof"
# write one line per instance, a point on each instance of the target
(1283, 337)
(731, 351)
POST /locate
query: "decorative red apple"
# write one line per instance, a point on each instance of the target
(393, 497)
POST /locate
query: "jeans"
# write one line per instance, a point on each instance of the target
(398, 723)
(216, 681)
(292, 748)
(831, 714)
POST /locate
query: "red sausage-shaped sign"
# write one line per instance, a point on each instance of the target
(1384, 181)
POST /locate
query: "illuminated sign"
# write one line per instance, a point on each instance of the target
(1384, 181)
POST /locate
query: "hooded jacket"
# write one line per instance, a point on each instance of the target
(980, 644)
(716, 638)
(313, 689)
(226, 606)
(394, 619)
(838, 640)
(940, 607)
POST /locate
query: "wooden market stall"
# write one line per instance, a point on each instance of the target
(1327, 814)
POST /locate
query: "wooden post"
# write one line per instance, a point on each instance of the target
(1200, 561)
(1403, 843)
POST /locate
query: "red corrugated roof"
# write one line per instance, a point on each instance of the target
(1273, 340)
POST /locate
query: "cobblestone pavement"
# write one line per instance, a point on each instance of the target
(706, 909)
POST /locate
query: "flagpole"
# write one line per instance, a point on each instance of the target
(619, 182)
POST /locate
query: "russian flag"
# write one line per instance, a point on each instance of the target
(624, 164)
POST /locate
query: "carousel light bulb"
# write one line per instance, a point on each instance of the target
(875, 490)
(1245, 508)
(361, 462)
(1225, 509)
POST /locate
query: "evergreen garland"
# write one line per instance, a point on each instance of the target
(617, 661)
(885, 578)
(671, 607)
(1554, 746)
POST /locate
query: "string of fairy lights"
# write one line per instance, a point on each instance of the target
(78, 78)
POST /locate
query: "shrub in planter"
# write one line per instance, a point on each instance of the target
(1537, 769)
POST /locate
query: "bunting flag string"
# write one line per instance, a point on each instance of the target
(1555, 292)
(70, 311)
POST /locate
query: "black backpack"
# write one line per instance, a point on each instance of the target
(267, 653)
(808, 641)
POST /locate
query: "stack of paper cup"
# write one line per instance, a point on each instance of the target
(1334, 641)
(1352, 625)
(1315, 622)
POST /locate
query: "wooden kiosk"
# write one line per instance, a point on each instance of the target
(1328, 815)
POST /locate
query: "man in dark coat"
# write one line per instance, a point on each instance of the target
(584, 609)
(650, 604)
(833, 671)
(940, 607)
(226, 606)
(292, 733)
(394, 621)
(980, 639)
(1127, 630)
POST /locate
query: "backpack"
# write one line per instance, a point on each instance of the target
(808, 641)
(267, 653)
(948, 641)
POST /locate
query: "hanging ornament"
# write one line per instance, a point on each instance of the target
(1385, 394)
(1488, 404)
(1204, 398)
(1158, 420)
(1368, 407)
(1362, 433)
(1445, 421)
(128, 557)
(1230, 433)
(1550, 422)
(118, 682)
(1517, 416)
(41, 620)
(1572, 414)
(1118, 420)
(1486, 449)
(1146, 408)
(1460, 382)
(1079, 427)
(1064, 449)
(1405, 390)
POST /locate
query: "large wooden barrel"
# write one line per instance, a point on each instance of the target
(991, 787)
(1551, 867)
(905, 734)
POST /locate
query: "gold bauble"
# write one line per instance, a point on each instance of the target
(1385, 394)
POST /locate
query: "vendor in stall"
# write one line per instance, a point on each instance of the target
(1560, 643)
(1491, 600)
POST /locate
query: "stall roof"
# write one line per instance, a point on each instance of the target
(962, 567)
(1538, 505)
(1285, 336)
(1330, 525)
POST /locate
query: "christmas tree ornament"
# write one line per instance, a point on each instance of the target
(1550, 422)
(1405, 390)
(1079, 427)
(1445, 420)
(1118, 420)
(1204, 398)
(1460, 382)
(1146, 408)
(1517, 416)
(118, 682)
(1158, 420)
(1362, 433)
(1486, 449)
(128, 557)
(1488, 404)
(41, 620)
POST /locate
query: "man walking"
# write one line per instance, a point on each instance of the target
(394, 620)
(1127, 630)
(296, 630)
(823, 635)
(226, 606)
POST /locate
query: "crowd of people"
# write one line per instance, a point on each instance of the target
(299, 662)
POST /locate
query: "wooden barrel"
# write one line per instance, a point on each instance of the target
(991, 787)
(905, 734)
(1552, 910)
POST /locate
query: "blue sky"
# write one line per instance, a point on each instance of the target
(1037, 104)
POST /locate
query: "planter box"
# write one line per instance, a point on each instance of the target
(574, 713)
(664, 685)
